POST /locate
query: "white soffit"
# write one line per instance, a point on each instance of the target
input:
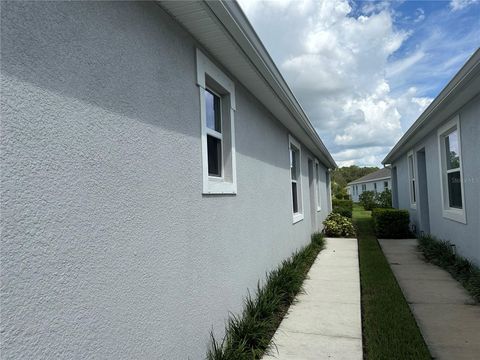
(202, 20)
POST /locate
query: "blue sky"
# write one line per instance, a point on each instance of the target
(365, 70)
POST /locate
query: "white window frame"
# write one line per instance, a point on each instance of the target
(215, 184)
(364, 188)
(385, 187)
(412, 179)
(318, 198)
(298, 216)
(448, 212)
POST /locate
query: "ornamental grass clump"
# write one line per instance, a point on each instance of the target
(441, 253)
(248, 336)
(336, 225)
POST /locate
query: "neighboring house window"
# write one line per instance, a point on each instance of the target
(317, 185)
(451, 171)
(296, 179)
(364, 187)
(385, 185)
(375, 186)
(411, 177)
(217, 106)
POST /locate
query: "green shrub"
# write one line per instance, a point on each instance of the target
(384, 199)
(337, 225)
(248, 336)
(440, 252)
(342, 210)
(391, 223)
(343, 203)
(367, 199)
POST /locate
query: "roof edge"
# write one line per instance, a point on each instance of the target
(370, 180)
(469, 70)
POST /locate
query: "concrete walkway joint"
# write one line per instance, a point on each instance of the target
(325, 322)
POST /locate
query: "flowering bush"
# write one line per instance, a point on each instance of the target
(337, 225)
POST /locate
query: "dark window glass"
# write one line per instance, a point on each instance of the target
(212, 104)
(454, 190)
(294, 197)
(451, 147)
(214, 151)
(413, 191)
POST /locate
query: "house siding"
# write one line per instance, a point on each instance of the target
(109, 248)
(370, 186)
(466, 237)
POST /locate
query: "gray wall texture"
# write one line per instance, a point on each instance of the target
(466, 237)
(109, 249)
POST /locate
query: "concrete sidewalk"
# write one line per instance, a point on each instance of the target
(445, 314)
(326, 322)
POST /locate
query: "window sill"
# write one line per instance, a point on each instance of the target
(215, 187)
(455, 215)
(319, 209)
(413, 206)
(297, 218)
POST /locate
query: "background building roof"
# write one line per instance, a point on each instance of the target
(384, 173)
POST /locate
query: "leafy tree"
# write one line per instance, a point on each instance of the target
(384, 199)
(342, 176)
(367, 199)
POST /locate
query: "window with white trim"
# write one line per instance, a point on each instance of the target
(364, 187)
(375, 187)
(317, 185)
(411, 179)
(296, 179)
(217, 107)
(451, 171)
(385, 185)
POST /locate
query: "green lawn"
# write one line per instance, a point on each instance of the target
(389, 328)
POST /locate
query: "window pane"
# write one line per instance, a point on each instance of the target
(293, 162)
(413, 192)
(294, 197)
(454, 190)
(214, 152)
(212, 105)
(451, 148)
(410, 164)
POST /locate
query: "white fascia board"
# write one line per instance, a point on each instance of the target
(369, 181)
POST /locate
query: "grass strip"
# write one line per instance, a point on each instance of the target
(389, 328)
(440, 253)
(249, 336)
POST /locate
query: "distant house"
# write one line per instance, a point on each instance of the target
(377, 182)
(155, 165)
(436, 164)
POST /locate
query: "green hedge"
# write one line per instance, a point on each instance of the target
(343, 204)
(440, 253)
(343, 210)
(391, 223)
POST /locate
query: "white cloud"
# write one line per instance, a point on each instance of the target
(401, 65)
(339, 65)
(461, 4)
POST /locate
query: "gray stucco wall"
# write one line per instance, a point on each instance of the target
(466, 237)
(109, 249)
